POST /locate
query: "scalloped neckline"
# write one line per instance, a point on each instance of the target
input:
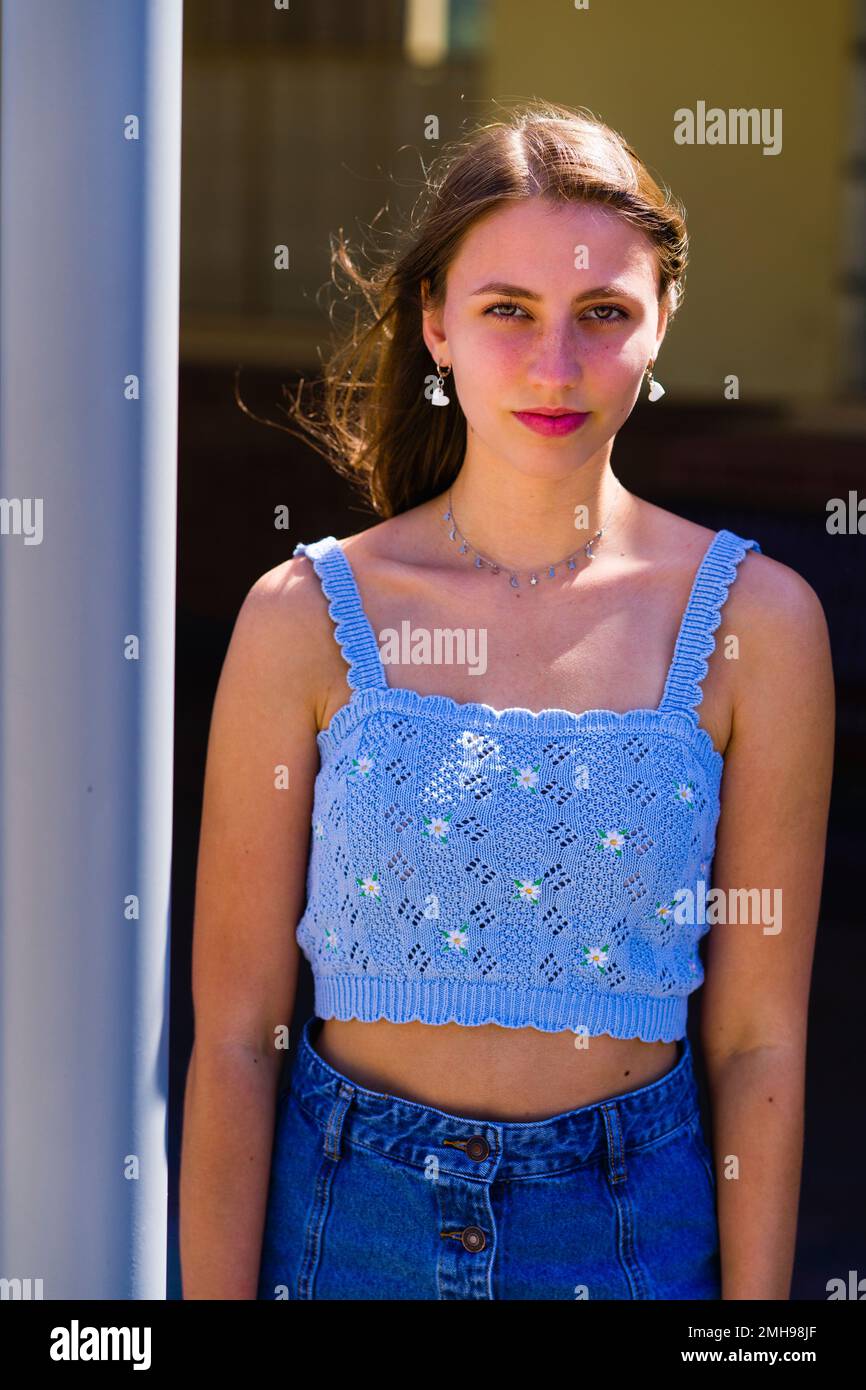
(480, 707)
(681, 723)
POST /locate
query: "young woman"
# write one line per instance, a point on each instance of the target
(504, 738)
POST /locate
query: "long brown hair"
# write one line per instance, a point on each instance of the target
(378, 428)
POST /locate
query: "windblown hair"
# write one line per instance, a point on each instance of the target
(378, 428)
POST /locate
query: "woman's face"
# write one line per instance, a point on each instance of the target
(554, 340)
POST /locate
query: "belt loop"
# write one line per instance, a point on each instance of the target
(334, 1127)
(615, 1146)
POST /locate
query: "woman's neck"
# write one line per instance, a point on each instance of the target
(524, 522)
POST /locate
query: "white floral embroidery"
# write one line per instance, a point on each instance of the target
(437, 826)
(456, 939)
(596, 955)
(528, 890)
(362, 765)
(612, 840)
(526, 777)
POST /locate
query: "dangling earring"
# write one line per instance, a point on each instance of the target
(656, 390)
(439, 397)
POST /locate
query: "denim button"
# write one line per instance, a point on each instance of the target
(477, 1148)
(473, 1238)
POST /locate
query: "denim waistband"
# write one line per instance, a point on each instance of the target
(410, 1132)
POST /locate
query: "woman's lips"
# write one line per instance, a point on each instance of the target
(550, 424)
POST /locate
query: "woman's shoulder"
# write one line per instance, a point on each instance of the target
(780, 615)
(779, 621)
(285, 629)
(769, 606)
(765, 589)
(783, 642)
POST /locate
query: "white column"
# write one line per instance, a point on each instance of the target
(89, 277)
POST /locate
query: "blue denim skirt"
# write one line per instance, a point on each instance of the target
(376, 1197)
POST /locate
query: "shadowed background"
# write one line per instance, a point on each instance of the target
(300, 122)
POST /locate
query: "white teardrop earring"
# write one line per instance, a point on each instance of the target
(439, 397)
(656, 390)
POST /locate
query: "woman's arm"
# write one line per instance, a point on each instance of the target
(771, 837)
(250, 885)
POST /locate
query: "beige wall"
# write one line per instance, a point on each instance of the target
(762, 298)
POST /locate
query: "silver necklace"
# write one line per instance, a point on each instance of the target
(482, 561)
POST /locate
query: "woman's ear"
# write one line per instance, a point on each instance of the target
(431, 323)
(662, 328)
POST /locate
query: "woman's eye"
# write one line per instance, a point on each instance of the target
(607, 309)
(503, 304)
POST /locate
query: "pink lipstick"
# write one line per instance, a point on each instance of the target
(551, 422)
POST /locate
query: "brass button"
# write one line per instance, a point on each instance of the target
(477, 1148)
(473, 1238)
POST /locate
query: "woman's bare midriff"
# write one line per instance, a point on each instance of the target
(488, 1072)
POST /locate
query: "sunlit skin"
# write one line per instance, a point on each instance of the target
(515, 497)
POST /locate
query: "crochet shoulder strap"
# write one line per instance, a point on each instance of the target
(696, 641)
(352, 630)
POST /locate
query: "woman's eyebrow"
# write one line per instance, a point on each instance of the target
(518, 292)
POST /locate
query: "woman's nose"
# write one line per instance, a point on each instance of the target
(555, 359)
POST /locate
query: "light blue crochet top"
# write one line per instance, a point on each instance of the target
(524, 868)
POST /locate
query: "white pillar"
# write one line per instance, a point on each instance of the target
(89, 277)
